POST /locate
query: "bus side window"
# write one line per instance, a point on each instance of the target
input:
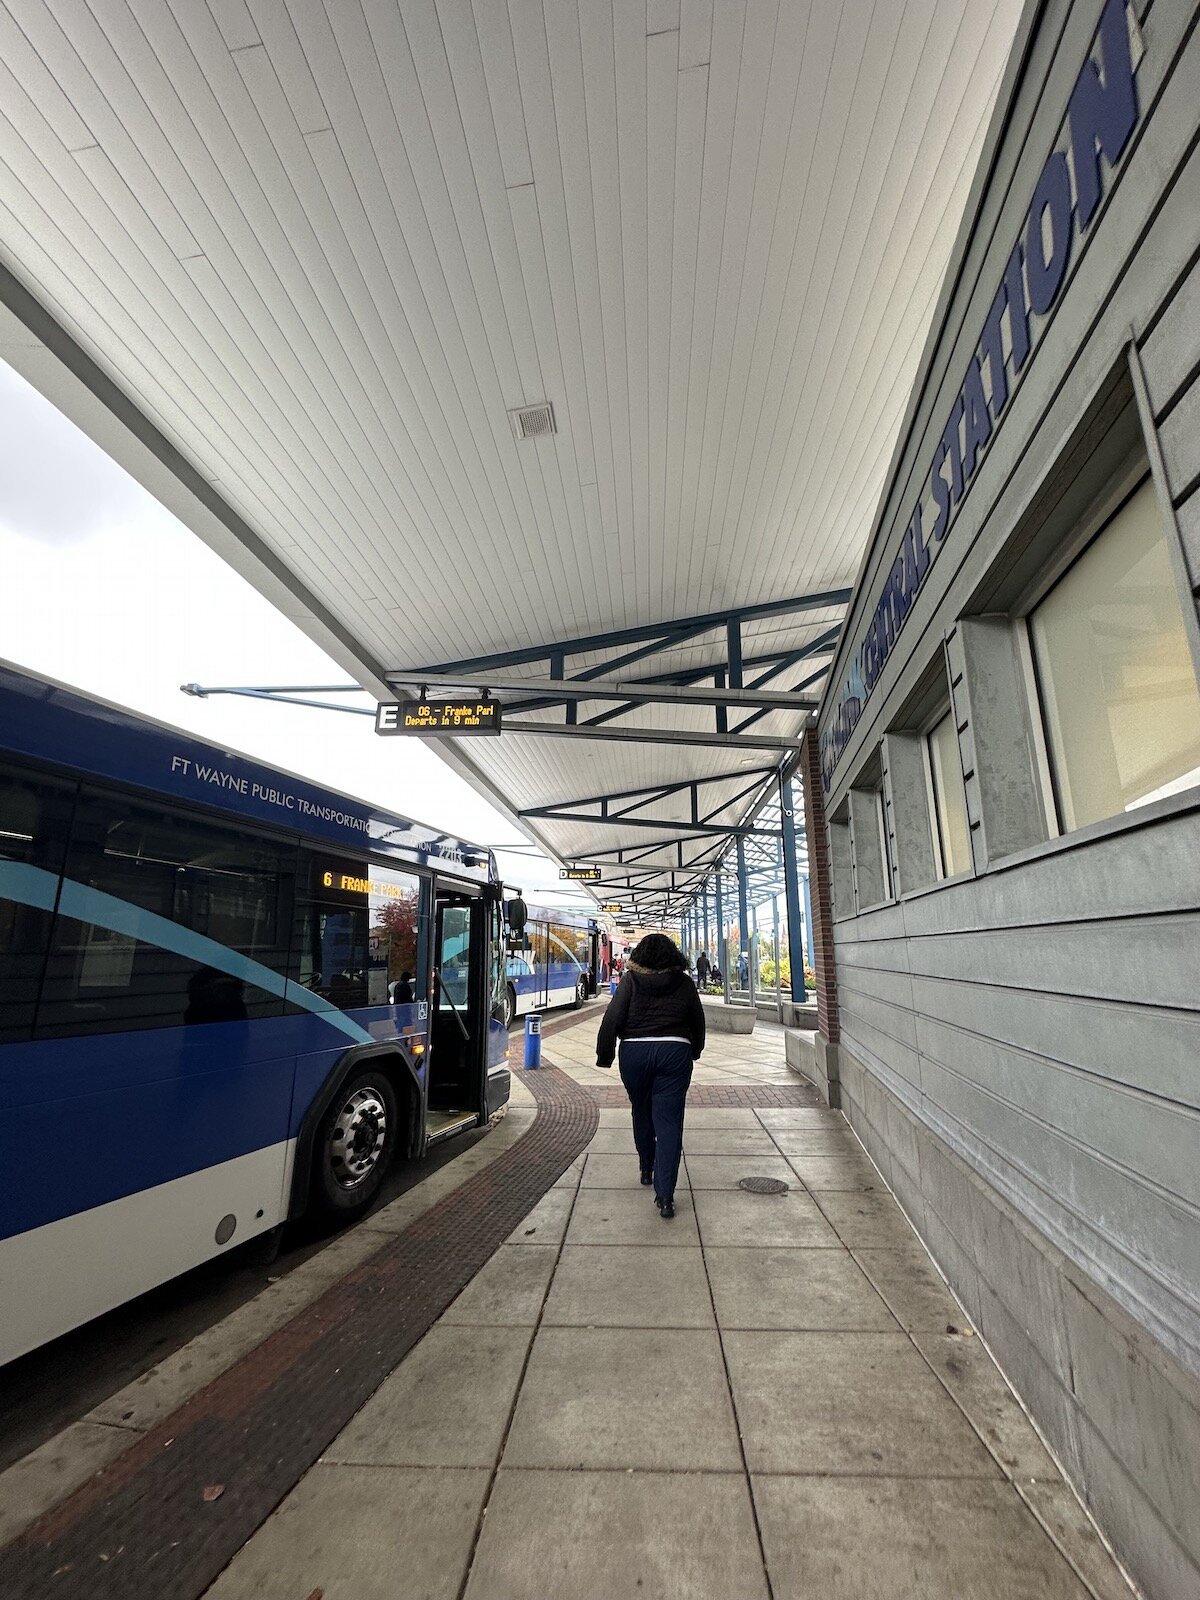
(157, 911)
(359, 945)
(35, 819)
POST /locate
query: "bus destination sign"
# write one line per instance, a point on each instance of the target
(437, 716)
(580, 874)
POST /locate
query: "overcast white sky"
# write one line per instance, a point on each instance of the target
(105, 589)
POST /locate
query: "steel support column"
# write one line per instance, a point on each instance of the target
(722, 943)
(791, 886)
(743, 912)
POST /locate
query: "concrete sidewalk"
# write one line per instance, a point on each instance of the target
(768, 1396)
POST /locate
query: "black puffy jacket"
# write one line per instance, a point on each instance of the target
(651, 1005)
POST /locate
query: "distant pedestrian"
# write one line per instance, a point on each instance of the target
(657, 1016)
(743, 971)
(702, 968)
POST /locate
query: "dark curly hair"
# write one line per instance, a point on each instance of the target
(657, 953)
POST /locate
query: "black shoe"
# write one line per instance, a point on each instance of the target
(666, 1208)
(647, 1179)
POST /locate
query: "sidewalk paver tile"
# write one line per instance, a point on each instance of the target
(733, 1217)
(725, 1172)
(1071, 1529)
(811, 1289)
(625, 1397)
(616, 1536)
(909, 1282)
(816, 1141)
(376, 1533)
(508, 1291)
(906, 1539)
(613, 1141)
(698, 1141)
(717, 1117)
(570, 1178)
(618, 1118)
(629, 1286)
(809, 1118)
(628, 1216)
(612, 1171)
(848, 1402)
(871, 1221)
(446, 1404)
(547, 1222)
(974, 1380)
(835, 1172)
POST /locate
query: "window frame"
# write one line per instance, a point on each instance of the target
(869, 781)
(885, 845)
(1119, 492)
(934, 721)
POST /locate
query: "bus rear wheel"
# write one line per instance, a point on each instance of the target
(355, 1144)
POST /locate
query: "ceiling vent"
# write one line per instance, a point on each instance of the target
(533, 422)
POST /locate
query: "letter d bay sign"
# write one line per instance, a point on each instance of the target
(437, 716)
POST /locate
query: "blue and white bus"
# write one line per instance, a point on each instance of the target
(559, 960)
(227, 996)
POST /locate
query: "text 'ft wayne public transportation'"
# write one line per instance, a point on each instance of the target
(227, 996)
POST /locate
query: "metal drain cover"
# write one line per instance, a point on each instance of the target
(763, 1185)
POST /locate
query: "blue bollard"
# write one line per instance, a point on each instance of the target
(612, 986)
(533, 1043)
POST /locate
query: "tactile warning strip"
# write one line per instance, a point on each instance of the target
(143, 1529)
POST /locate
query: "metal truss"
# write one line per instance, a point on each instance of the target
(671, 873)
(569, 690)
(629, 801)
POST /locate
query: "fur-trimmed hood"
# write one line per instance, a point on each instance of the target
(656, 981)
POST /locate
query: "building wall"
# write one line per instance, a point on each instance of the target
(1020, 1046)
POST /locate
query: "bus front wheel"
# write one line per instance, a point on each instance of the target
(581, 992)
(510, 1006)
(355, 1144)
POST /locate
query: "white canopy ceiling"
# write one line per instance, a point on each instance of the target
(295, 263)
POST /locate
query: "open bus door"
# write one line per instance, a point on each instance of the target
(459, 1009)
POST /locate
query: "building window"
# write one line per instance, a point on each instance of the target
(872, 885)
(951, 832)
(1118, 689)
(842, 874)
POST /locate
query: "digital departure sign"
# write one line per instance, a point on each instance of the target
(342, 879)
(580, 874)
(437, 716)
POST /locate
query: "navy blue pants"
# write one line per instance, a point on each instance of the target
(656, 1075)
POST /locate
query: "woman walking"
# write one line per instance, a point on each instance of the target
(657, 1015)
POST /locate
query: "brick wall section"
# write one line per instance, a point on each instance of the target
(809, 775)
